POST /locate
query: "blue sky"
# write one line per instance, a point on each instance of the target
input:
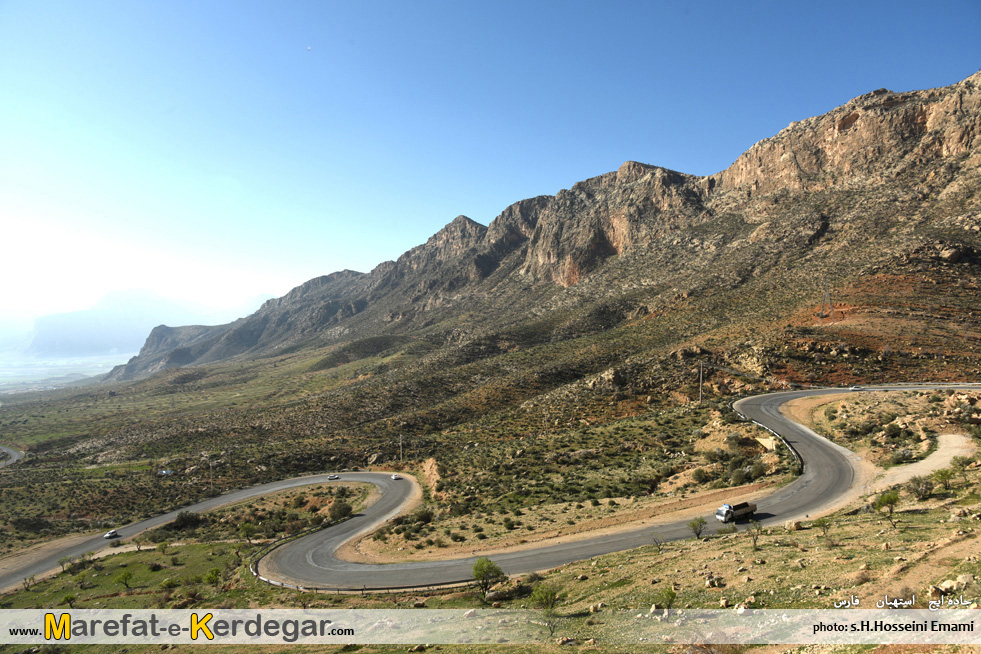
(213, 151)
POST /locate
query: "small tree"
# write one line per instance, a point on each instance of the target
(125, 577)
(70, 600)
(546, 598)
(961, 463)
(888, 501)
(697, 525)
(824, 524)
(487, 573)
(658, 543)
(664, 598)
(247, 530)
(139, 541)
(944, 477)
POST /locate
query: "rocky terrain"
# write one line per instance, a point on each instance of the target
(843, 250)
(886, 179)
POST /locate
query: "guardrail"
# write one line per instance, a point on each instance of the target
(258, 556)
(800, 461)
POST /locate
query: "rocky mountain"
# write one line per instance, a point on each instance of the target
(883, 180)
(117, 323)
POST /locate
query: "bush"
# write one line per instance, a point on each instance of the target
(186, 520)
(340, 510)
(920, 487)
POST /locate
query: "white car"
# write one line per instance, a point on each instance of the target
(112, 533)
(395, 477)
(333, 477)
(854, 388)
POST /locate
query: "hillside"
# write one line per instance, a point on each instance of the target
(880, 183)
(554, 355)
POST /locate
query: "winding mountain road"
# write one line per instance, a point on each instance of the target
(13, 456)
(829, 473)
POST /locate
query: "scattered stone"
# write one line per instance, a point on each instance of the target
(472, 613)
(495, 596)
(724, 603)
(565, 641)
(421, 604)
(582, 578)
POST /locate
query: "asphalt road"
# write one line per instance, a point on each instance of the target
(828, 474)
(13, 456)
(49, 562)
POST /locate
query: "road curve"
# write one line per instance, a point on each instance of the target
(829, 472)
(13, 456)
(392, 497)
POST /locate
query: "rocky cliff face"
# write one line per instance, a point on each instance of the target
(874, 137)
(823, 184)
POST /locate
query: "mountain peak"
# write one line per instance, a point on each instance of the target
(640, 228)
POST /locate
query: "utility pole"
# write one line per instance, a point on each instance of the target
(699, 382)
(826, 301)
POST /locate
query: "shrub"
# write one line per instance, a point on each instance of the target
(920, 487)
(186, 520)
(340, 510)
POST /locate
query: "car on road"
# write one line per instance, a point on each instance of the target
(112, 533)
(854, 388)
(333, 477)
(395, 477)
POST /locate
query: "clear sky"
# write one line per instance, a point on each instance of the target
(213, 151)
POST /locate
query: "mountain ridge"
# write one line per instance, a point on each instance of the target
(791, 196)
